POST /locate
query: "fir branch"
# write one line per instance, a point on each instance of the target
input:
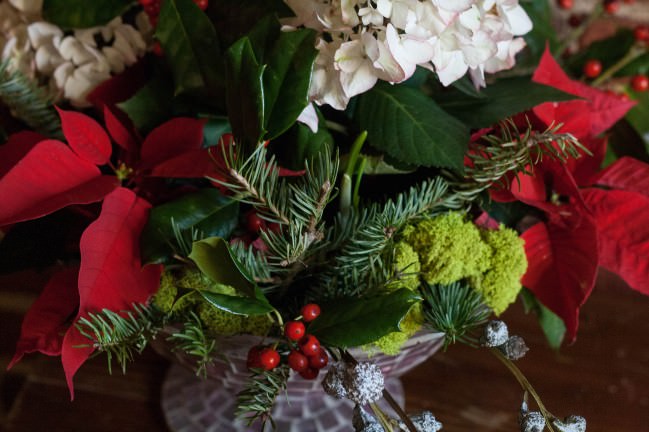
(454, 309)
(256, 401)
(121, 335)
(28, 102)
(191, 339)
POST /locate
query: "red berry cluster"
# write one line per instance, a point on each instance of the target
(610, 6)
(306, 356)
(152, 8)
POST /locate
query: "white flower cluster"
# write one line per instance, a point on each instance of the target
(71, 63)
(362, 41)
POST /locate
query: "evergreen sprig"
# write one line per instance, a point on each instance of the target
(256, 401)
(191, 339)
(121, 335)
(28, 102)
(456, 310)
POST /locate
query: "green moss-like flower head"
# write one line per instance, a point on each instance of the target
(406, 267)
(166, 296)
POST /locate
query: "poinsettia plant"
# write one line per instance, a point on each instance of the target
(324, 176)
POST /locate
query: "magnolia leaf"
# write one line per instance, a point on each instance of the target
(638, 115)
(245, 92)
(358, 321)
(238, 305)
(190, 45)
(78, 14)
(206, 211)
(214, 258)
(412, 128)
(500, 100)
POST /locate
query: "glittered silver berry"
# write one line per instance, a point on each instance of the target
(514, 348)
(532, 421)
(333, 381)
(364, 382)
(495, 334)
(364, 421)
(571, 423)
(424, 422)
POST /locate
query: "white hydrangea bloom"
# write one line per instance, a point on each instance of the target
(73, 64)
(363, 41)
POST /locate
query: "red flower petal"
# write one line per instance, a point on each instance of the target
(45, 322)
(111, 275)
(562, 266)
(16, 147)
(120, 87)
(85, 136)
(119, 132)
(47, 179)
(171, 139)
(627, 174)
(621, 219)
(191, 164)
(586, 169)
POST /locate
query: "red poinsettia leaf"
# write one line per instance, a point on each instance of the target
(48, 318)
(191, 164)
(16, 147)
(587, 168)
(627, 174)
(121, 87)
(285, 172)
(85, 136)
(47, 179)
(119, 132)
(621, 219)
(582, 118)
(562, 266)
(171, 139)
(111, 275)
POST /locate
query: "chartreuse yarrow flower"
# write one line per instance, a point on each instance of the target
(216, 321)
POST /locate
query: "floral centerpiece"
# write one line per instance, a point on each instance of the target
(325, 180)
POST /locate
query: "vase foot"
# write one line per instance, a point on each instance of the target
(192, 404)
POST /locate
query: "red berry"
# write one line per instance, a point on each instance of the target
(294, 330)
(298, 361)
(269, 358)
(254, 223)
(319, 360)
(611, 6)
(592, 68)
(157, 49)
(310, 312)
(574, 20)
(641, 33)
(565, 4)
(309, 345)
(310, 373)
(254, 358)
(640, 83)
(202, 4)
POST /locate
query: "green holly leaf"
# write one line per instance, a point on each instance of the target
(191, 47)
(238, 305)
(206, 211)
(358, 321)
(501, 99)
(151, 105)
(553, 327)
(77, 14)
(410, 127)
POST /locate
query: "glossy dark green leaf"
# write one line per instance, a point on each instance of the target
(410, 127)
(638, 117)
(214, 259)
(151, 105)
(190, 45)
(358, 321)
(502, 99)
(214, 129)
(238, 305)
(553, 327)
(541, 34)
(206, 211)
(639, 66)
(608, 51)
(82, 13)
(245, 92)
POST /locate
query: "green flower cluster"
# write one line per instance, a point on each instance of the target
(216, 321)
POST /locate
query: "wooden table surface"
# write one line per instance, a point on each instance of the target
(604, 376)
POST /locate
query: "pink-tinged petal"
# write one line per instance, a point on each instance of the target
(486, 221)
(171, 139)
(111, 275)
(627, 174)
(16, 147)
(119, 132)
(49, 316)
(86, 137)
(47, 179)
(562, 267)
(621, 219)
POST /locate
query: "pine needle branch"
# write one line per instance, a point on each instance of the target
(192, 340)
(256, 401)
(28, 102)
(121, 335)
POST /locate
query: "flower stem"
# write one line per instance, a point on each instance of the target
(380, 416)
(634, 52)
